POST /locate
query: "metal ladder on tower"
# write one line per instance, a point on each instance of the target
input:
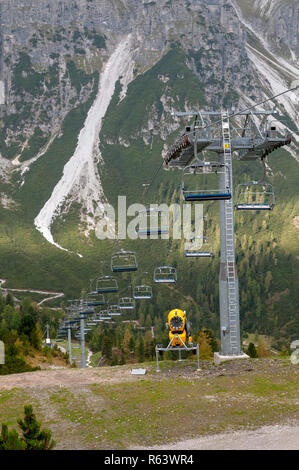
(229, 237)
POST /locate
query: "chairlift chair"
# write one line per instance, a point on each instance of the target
(165, 274)
(93, 299)
(86, 311)
(197, 193)
(127, 303)
(255, 196)
(114, 311)
(200, 247)
(103, 315)
(124, 261)
(142, 292)
(154, 222)
(107, 284)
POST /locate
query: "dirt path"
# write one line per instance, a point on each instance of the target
(277, 437)
(53, 295)
(65, 378)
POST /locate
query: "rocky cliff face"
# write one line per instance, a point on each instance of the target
(52, 52)
(277, 21)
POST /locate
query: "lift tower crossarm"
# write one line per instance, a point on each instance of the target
(218, 113)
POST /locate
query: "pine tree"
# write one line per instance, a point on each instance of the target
(126, 342)
(140, 350)
(107, 347)
(33, 437)
(148, 345)
(251, 351)
(9, 299)
(9, 440)
(114, 360)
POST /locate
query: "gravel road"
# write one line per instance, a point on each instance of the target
(277, 437)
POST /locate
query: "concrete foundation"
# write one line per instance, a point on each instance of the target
(218, 358)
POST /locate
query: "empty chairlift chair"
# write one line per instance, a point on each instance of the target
(127, 303)
(143, 292)
(124, 261)
(165, 275)
(199, 247)
(254, 196)
(85, 309)
(107, 284)
(197, 176)
(103, 315)
(155, 222)
(93, 299)
(114, 311)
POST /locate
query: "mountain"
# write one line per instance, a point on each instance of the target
(86, 94)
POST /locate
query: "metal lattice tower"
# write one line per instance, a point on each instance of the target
(252, 142)
(228, 280)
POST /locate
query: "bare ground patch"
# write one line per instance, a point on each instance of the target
(108, 408)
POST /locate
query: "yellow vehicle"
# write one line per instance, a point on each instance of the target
(179, 328)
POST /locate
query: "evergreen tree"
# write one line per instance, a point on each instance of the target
(27, 325)
(148, 345)
(9, 440)
(107, 347)
(9, 300)
(126, 342)
(114, 360)
(132, 345)
(140, 350)
(251, 351)
(33, 437)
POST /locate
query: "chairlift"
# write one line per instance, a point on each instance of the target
(127, 303)
(103, 315)
(165, 274)
(155, 222)
(200, 247)
(114, 310)
(124, 261)
(107, 284)
(86, 311)
(255, 196)
(93, 299)
(142, 292)
(196, 193)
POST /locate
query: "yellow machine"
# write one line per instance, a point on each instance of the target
(179, 328)
(180, 338)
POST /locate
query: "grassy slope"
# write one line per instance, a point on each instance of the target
(140, 411)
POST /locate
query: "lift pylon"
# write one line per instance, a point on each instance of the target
(252, 142)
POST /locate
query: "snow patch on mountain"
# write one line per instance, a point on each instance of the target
(81, 180)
